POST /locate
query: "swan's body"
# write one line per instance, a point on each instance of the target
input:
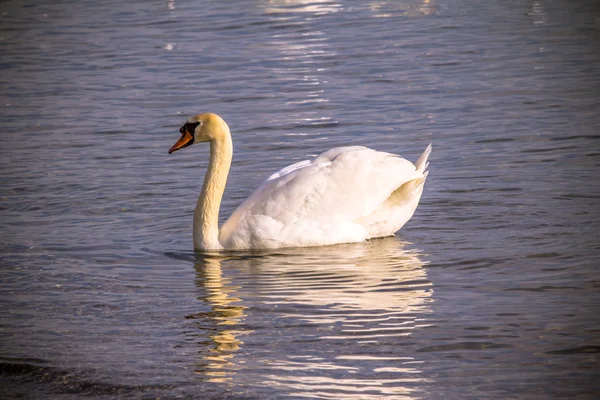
(347, 194)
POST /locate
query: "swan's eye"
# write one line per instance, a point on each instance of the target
(190, 127)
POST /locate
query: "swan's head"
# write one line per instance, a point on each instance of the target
(200, 128)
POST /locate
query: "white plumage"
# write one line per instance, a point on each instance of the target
(346, 194)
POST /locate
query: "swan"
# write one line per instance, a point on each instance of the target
(346, 194)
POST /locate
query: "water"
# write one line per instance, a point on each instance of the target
(490, 291)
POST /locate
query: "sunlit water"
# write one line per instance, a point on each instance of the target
(491, 290)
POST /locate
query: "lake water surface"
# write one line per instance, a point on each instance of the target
(492, 290)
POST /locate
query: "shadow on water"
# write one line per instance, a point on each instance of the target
(36, 378)
(285, 317)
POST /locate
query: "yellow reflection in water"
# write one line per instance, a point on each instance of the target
(226, 313)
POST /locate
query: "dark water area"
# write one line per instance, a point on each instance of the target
(492, 290)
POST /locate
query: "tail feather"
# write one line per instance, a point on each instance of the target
(411, 186)
(422, 163)
(399, 207)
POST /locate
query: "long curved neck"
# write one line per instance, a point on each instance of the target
(206, 214)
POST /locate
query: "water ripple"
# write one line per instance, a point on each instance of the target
(492, 286)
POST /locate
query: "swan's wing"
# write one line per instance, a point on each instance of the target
(341, 185)
(289, 169)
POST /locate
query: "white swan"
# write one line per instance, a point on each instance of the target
(347, 194)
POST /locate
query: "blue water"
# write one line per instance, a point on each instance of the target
(492, 290)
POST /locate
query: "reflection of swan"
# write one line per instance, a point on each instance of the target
(347, 194)
(226, 313)
(356, 277)
(315, 315)
(342, 305)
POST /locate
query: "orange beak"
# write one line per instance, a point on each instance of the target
(185, 140)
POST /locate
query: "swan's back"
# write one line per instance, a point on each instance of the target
(346, 194)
